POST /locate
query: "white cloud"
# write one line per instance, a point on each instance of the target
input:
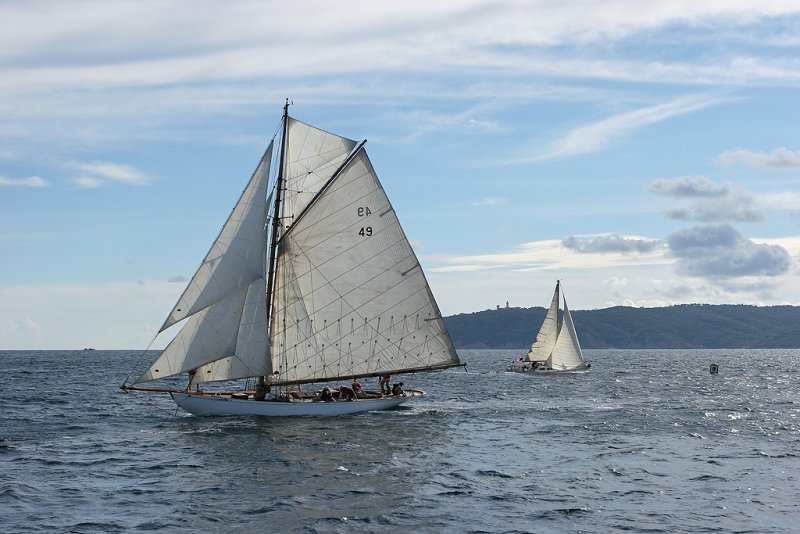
(778, 158)
(31, 181)
(550, 255)
(597, 136)
(489, 202)
(615, 281)
(87, 182)
(111, 171)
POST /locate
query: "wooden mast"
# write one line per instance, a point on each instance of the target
(276, 215)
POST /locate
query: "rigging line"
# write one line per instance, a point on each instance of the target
(355, 311)
(329, 282)
(149, 400)
(138, 361)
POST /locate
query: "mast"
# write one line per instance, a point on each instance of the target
(276, 216)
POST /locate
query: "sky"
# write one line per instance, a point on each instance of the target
(644, 153)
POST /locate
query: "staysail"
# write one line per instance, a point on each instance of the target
(225, 300)
(350, 296)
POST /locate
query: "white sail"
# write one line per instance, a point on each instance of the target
(545, 340)
(231, 332)
(236, 259)
(312, 156)
(350, 296)
(567, 352)
(225, 301)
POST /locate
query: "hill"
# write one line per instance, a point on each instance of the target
(674, 327)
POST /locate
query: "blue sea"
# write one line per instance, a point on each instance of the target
(646, 441)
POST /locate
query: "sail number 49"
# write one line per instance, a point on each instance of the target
(364, 211)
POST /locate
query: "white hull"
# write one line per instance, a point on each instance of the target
(528, 369)
(225, 405)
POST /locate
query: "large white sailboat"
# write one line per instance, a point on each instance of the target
(323, 288)
(556, 347)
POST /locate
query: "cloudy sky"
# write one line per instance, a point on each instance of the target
(646, 153)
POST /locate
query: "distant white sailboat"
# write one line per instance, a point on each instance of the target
(327, 288)
(556, 347)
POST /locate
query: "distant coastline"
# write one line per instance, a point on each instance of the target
(685, 326)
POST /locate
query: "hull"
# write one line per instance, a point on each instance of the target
(228, 406)
(539, 370)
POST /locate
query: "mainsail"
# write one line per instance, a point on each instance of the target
(350, 297)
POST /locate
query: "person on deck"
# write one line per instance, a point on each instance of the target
(397, 390)
(384, 382)
(347, 393)
(357, 389)
(192, 373)
(261, 389)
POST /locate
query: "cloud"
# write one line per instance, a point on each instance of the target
(109, 171)
(713, 202)
(489, 202)
(778, 158)
(688, 186)
(735, 206)
(31, 181)
(551, 254)
(720, 251)
(604, 244)
(25, 328)
(597, 136)
(87, 182)
(616, 281)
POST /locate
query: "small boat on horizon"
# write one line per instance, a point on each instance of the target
(556, 347)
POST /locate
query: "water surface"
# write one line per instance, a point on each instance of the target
(646, 441)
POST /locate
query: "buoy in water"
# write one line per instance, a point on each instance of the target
(713, 368)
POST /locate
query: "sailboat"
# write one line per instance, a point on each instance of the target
(323, 288)
(556, 347)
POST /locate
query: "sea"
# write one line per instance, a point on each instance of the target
(645, 441)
